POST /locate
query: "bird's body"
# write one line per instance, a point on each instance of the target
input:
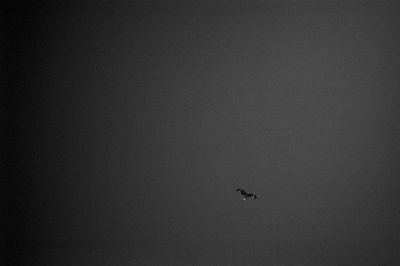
(246, 195)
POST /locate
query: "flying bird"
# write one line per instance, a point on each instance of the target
(246, 195)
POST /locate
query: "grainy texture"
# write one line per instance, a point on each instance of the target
(130, 125)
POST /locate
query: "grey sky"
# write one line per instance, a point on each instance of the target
(135, 123)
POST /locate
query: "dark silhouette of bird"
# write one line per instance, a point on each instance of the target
(246, 195)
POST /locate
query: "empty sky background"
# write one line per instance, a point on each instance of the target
(129, 125)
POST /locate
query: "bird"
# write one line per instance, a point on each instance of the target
(246, 195)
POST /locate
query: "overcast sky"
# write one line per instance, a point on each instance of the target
(130, 126)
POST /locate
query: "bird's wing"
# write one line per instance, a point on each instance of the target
(244, 193)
